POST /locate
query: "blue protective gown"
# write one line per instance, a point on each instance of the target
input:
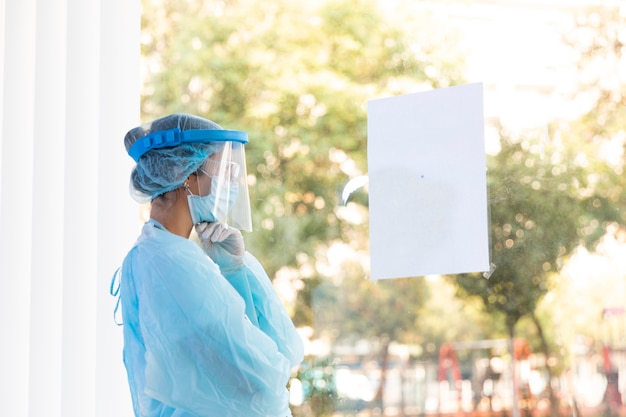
(198, 343)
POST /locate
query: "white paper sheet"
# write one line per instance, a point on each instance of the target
(427, 183)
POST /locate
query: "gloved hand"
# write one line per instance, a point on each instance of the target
(223, 244)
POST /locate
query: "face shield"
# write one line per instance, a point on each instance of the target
(222, 179)
(223, 188)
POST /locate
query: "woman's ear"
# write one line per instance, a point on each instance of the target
(191, 185)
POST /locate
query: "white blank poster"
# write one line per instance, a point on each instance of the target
(427, 183)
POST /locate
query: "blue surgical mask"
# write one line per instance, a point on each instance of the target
(212, 208)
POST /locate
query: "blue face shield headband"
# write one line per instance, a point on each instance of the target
(174, 137)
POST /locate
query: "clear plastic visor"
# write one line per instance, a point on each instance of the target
(224, 176)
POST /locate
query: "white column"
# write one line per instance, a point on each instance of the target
(81, 208)
(118, 214)
(46, 297)
(69, 89)
(16, 188)
(2, 33)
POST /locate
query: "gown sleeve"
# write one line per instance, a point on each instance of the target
(265, 309)
(203, 354)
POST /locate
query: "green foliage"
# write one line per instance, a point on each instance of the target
(542, 207)
(318, 385)
(598, 39)
(595, 143)
(296, 76)
(363, 309)
(442, 313)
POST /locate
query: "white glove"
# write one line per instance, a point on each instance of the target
(223, 244)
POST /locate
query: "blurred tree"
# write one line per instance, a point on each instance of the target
(550, 197)
(296, 76)
(543, 205)
(599, 39)
(381, 312)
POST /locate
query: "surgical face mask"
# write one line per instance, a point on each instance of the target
(215, 206)
(222, 194)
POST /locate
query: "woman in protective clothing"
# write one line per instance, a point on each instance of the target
(204, 332)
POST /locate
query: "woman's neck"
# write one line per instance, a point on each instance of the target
(172, 211)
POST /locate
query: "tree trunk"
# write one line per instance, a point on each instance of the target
(515, 411)
(554, 405)
(384, 362)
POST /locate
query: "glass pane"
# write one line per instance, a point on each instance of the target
(544, 331)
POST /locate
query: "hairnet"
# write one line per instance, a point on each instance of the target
(164, 169)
